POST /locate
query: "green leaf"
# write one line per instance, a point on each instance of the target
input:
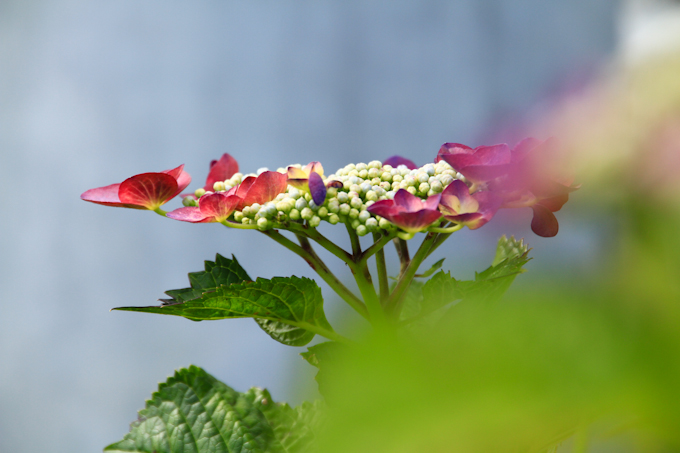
(221, 272)
(487, 287)
(194, 412)
(324, 356)
(285, 333)
(294, 301)
(435, 267)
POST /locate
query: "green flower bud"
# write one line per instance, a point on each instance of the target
(333, 219)
(374, 173)
(364, 216)
(331, 192)
(306, 213)
(361, 166)
(346, 184)
(344, 209)
(375, 164)
(387, 168)
(363, 174)
(353, 213)
(334, 206)
(308, 197)
(355, 224)
(218, 186)
(294, 214)
(422, 177)
(283, 206)
(188, 201)
(412, 190)
(262, 223)
(397, 178)
(238, 216)
(356, 203)
(322, 212)
(362, 230)
(199, 193)
(446, 179)
(300, 204)
(247, 221)
(423, 187)
(313, 206)
(314, 221)
(255, 208)
(385, 224)
(343, 197)
(409, 181)
(246, 212)
(436, 186)
(386, 176)
(371, 224)
(371, 195)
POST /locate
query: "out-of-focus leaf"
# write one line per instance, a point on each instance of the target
(194, 412)
(289, 300)
(324, 356)
(435, 267)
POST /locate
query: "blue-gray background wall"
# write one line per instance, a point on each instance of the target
(93, 92)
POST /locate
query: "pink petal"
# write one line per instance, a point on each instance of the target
(544, 222)
(406, 201)
(317, 188)
(494, 154)
(452, 148)
(242, 189)
(413, 222)
(383, 208)
(264, 188)
(221, 170)
(554, 203)
(190, 214)
(108, 196)
(149, 190)
(432, 202)
(218, 205)
(520, 151)
(395, 161)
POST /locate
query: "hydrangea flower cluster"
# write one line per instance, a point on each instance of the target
(463, 187)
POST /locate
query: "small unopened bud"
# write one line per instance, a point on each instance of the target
(199, 193)
(322, 212)
(355, 223)
(331, 192)
(314, 221)
(424, 187)
(356, 203)
(262, 223)
(362, 230)
(371, 195)
(384, 224)
(333, 219)
(436, 186)
(386, 176)
(353, 213)
(334, 206)
(294, 214)
(218, 186)
(412, 190)
(343, 197)
(188, 201)
(300, 204)
(364, 216)
(344, 209)
(371, 224)
(306, 213)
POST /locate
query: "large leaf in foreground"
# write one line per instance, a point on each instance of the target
(487, 287)
(294, 301)
(194, 412)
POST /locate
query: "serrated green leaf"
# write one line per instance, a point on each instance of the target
(290, 300)
(487, 287)
(435, 267)
(222, 271)
(194, 412)
(285, 333)
(324, 356)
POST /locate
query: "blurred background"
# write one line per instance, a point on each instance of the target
(94, 92)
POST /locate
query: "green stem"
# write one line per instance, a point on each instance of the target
(382, 267)
(379, 242)
(239, 226)
(402, 251)
(331, 335)
(365, 284)
(354, 239)
(323, 241)
(160, 212)
(320, 267)
(449, 230)
(396, 298)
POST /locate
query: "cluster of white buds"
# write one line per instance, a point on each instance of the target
(362, 185)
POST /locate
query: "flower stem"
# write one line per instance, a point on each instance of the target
(380, 264)
(160, 212)
(452, 229)
(239, 226)
(379, 242)
(402, 251)
(354, 239)
(396, 299)
(307, 253)
(330, 334)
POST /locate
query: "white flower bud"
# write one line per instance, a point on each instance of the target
(386, 176)
(385, 224)
(356, 203)
(300, 204)
(331, 192)
(361, 166)
(218, 186)
(355, 188)
(390, 194)
(238, 216)
(294, 214)
(313, 206)
(293, 192)
(353, 213)
(446, 180)
(262, 223)
(375, 164)
(412, 190)
(422, 177)
(314, 221)
(199, 193)
(346, 184)
(308, 197)
(306, 213)
(344, 209)
(353, 172)
(424, 187)
(343, 197)
(362, 230)
(409, 181)
(429, 169)
(364, 216)
(333, 219)
(247, 221)
(247, 212)
(261, 170)
(387, 167)
(371, 224)
(371, 195)
(374, 173)
(397, 178)
(436, 186)
(363, 174)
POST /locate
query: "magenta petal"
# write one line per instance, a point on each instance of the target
(317, 188)
(484, 173)
(494, 154)
(452, 148)
(407, 201)
(395, 161)
(264, 188)
(190, 214)
(432, 202)
(383, 208)
(520, 151)
(544, 222)
(218, 205)
(149, 190)
(108, 196)
(221, 170)
(413, 222)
